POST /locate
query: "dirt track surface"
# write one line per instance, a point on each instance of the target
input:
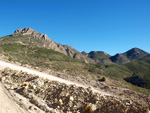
(7, 105)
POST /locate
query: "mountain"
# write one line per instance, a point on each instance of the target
(130, 55)
(135, 53)
(100, 57)
(119, 59)
(28, 36)
(30, 32)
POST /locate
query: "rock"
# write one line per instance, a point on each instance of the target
(3, 79)
(67, 94)
(60, 102)
(90, 108)
(34, 86)
(17, 72)
(30, 107)
(40, 83)
(25, 83)
(127, 104)
(71, 98)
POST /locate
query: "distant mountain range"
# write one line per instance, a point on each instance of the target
(131, 55)
(104, 58)
(94, 57)
(30, 47)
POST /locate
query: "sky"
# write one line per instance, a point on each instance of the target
(113, 26)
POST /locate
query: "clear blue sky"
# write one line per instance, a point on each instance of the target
(113, 26)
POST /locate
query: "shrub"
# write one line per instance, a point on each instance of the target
(103, 79)
(10, 59)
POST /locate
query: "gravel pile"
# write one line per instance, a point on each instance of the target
(52, 96)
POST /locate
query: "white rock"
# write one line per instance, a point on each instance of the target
(34, 86)
(71, 98)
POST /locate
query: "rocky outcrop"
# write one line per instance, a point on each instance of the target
(63, 98)
(50, 44)
(31, 32)
(25, 31)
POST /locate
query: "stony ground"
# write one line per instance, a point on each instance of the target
(51, 96)
(105, 87)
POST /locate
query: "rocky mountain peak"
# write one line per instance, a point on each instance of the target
(25, 30)
(42, 40)
(31, 32)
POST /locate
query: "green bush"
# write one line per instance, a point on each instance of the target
(103, 79)
(10, 59)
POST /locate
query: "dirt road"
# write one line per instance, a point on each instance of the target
(7, 105)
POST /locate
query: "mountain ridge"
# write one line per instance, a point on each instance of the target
(29, 31)
(50, 44)
(99, 57)
(129, 56)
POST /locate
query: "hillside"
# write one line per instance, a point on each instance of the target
(119, 59)
(30, 37)
(141, 72)
(100, 57)
(130, 55)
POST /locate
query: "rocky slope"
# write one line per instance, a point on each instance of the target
(51, 96)
(42, 40)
